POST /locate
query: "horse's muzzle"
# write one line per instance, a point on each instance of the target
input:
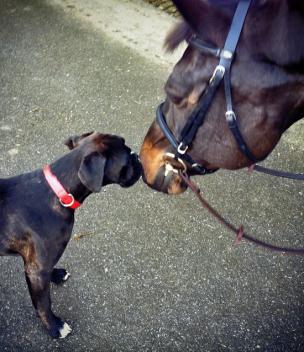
(168, 180)
(156, 162)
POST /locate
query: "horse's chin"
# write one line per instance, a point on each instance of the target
(177, 187)
(171, 184)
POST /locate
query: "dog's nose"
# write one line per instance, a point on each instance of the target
(135, 156)
(134, 153)
(136, 162)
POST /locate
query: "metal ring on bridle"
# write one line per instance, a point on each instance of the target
(173, 156)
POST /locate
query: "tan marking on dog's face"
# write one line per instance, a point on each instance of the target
(74, 141)
(94, 141)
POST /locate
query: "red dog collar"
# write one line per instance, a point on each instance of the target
(66, 199)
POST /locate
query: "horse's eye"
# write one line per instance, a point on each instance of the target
(176, 90)
(175, 95)
(175, 99)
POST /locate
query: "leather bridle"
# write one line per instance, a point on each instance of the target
(197, 117)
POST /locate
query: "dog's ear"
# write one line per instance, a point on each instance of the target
(91, 171)
(73, 141)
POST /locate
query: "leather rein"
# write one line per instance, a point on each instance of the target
(197, 117)
(239, 232)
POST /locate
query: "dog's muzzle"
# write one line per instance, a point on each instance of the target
(135, 171)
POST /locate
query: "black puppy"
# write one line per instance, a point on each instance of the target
(37, 211)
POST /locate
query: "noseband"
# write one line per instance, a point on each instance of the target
(197, 117)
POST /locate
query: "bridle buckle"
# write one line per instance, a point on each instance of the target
(230, 116)
(181, 149)
(219, 69)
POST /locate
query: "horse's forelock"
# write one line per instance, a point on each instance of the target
(182, 31)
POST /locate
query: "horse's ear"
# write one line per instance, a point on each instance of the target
(197, 12)
(193, 12)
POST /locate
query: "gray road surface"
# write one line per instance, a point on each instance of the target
(153, 273)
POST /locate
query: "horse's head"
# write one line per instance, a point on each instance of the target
(267, 80)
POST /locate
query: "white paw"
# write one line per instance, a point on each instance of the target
(66, 276)
(65, 330)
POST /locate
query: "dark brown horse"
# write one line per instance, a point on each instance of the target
(267, 80)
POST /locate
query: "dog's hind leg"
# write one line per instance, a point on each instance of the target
(39, 286)
(59, 276)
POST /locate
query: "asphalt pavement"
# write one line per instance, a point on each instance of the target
(150, 272)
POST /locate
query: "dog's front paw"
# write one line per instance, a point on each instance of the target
(59, 276)
(65, 330)
(60, 329)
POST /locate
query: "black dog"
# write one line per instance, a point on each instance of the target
(37, 224)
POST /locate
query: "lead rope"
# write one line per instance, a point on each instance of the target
(277, 173)
(239, 232)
